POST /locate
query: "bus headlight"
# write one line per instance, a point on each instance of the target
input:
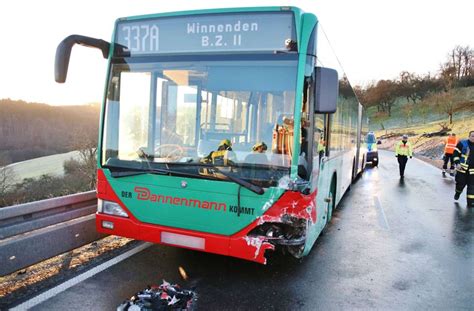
(110, 208)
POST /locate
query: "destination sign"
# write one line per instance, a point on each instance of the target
(261, 31)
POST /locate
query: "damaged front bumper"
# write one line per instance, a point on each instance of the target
(284, 225)
(238, 245)
(288, 234)
(249, 247)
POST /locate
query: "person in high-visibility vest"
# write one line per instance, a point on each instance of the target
(321, 147)
(258, 155)
(464, 159)
(403, 150)
(259, 147)
(450, 144)
(223, 156)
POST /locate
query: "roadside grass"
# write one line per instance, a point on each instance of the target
(406, 114)
(52, 165)
(461, 127)
(425, 117)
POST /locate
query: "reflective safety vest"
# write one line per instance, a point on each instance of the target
(403, 149)
(451, 143)
(462, 155)
(222, 157)
(321, 146)
(371, 147)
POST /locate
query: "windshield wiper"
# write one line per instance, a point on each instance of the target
(254, 188)
(239, 181)
(126, 173)
(117, 172)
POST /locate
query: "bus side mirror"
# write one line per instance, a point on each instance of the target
(63, 53)
(326, 90)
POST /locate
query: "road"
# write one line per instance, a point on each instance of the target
(391, 245)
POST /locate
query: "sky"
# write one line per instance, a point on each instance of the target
(373, 39)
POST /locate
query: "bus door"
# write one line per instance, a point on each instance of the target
(320, 163)
(178, 107)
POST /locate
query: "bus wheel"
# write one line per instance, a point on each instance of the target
(332, 204)
(330, 207)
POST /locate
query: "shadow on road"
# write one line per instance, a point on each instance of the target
(401, 183)
(463, 227)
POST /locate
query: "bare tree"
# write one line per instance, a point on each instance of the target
(458, 66)
(445, 103)
(7, 176)
(407, 86)
(381, 95)
(86, 144)
(385, 94)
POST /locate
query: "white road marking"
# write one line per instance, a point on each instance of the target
(384, 222)
(81, 277)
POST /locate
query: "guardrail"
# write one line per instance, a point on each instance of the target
(32, 232)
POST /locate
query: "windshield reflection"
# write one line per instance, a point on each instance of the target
(236, 115)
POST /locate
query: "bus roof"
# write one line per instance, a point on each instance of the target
(296, 10)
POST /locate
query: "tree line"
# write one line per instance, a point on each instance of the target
(31, 130)
(435, 90)
(79, 176)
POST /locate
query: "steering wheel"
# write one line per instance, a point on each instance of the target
(169, 151)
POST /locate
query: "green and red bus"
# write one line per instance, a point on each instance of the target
(221, 131)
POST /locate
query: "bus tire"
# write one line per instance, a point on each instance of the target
(331, 206)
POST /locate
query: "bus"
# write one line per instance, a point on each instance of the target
(228, 131)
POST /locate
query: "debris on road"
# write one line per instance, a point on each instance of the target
(163, 297)
(442, 132)
(183, 273)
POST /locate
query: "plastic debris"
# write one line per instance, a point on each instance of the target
(183, 273)
(164, 297)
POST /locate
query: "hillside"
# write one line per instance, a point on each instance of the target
(426, 116)
(52, 165)
(30, 130)
(430, 149)
(432, 110)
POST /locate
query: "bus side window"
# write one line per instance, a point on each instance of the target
(304, 161)
(319, 144)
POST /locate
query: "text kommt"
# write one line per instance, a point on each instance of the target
(144, 194)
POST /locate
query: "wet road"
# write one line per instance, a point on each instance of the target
(390, 245)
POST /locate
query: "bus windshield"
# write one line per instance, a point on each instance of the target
(218, 111)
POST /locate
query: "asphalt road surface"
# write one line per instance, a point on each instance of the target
(391, 245)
